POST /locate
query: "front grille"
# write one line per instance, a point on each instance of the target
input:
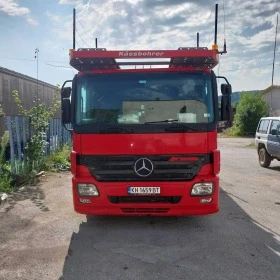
(144, 210)
(145, 199)
(121, 168)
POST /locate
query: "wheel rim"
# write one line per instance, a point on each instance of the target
(262, 156)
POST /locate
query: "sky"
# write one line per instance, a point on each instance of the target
(249, 28)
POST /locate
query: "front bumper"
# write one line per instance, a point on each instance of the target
(187, 205)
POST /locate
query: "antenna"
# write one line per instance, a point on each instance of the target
(216, 24)
(96, 43)
(74, 28)
(274, 51)
(197, 40)
(215, 46)
(225, 44)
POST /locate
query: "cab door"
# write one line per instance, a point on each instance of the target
(273, 141)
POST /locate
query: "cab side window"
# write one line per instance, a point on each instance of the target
(263, 126)
(274, 126)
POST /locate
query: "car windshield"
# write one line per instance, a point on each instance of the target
(144, 98)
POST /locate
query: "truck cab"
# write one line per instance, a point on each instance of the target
(145, 137)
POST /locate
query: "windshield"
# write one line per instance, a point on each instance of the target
(149, 98)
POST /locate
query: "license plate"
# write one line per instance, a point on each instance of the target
(144, 190)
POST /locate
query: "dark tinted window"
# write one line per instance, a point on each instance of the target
(274, 125)
(263, 126)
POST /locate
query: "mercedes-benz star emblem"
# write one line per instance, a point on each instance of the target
(143, 167)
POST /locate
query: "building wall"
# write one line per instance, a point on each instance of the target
(27, 88)
(272, 98)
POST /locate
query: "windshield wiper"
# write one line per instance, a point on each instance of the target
(180, 128)
(164, 121)
(116, 129)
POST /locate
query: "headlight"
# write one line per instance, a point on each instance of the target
(201, 189)
(87, 190)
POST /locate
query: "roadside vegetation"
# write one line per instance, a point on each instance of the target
(249, 110)
(39, 116)
(37, 161)
(56, 162)
(5, 176)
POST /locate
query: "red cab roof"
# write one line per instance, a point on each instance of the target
(101, 59)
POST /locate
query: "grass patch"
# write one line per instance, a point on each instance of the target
(57, 161)
(228, 133)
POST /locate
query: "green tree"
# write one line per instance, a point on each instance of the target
(249, 110)
(40, 116)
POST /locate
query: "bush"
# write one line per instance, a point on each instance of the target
(5, 174)
(250, 109)
(5, 183)
(57, 161)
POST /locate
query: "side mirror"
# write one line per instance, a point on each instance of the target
(226, 112)
(65, 108)
(65, 104)
(66, 92)
(226, 89)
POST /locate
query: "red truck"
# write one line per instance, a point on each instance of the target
(145, 137)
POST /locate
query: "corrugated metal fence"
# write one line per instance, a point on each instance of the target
(20, 132)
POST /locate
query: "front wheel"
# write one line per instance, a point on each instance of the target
(264, 158)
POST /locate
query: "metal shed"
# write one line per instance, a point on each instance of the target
(27, 88)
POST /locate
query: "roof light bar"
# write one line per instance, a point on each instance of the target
(88, 59)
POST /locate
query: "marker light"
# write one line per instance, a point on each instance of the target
(85, 200)
(87, 189)
(202, 189)
(215, 47)
(205, 200)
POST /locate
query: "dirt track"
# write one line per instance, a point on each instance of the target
(35, 229)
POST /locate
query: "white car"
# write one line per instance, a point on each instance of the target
(267, 140)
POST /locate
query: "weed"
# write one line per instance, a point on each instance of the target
(5, 183)
(5, 174)
(57, 161)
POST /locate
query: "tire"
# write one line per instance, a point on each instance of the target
(264, 158)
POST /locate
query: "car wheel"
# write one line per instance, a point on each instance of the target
(264, 158)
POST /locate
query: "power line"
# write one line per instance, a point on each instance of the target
(224, 19)
(85, 30)
(25, 59)
(33, 60)
(58, 66)
(78, 44)
(207, 18)
(82, 39)
(246, 68)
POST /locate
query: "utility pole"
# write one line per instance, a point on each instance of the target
(273, 63)
(37, 57)
(37, 82)
(274, 51)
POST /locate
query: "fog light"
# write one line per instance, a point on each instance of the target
(201, 189)
(205, 200)
(87, 190)
(85, 200)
